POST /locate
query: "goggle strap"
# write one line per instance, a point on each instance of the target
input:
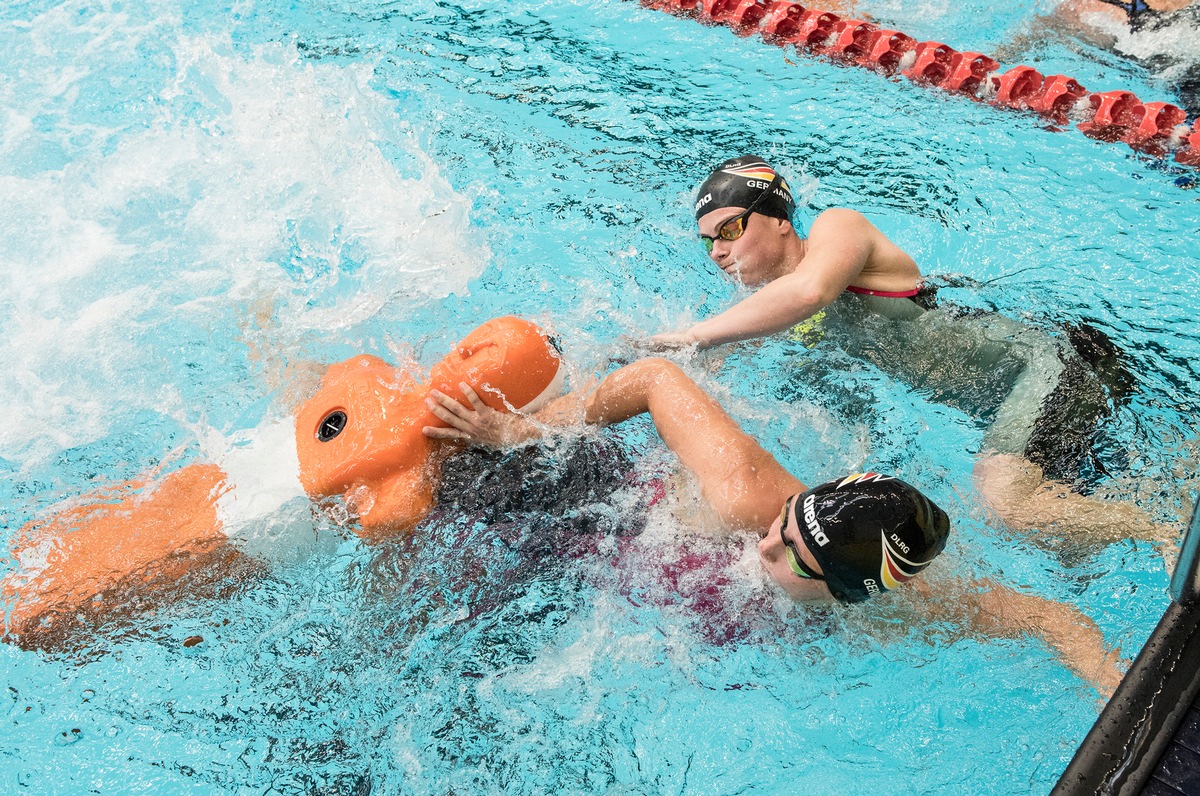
(799, 567)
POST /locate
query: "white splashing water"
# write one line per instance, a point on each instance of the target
(229, 178)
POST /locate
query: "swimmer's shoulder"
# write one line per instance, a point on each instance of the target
(841, 224)
(839, 221)
(887, 267)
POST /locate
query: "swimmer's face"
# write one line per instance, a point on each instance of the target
(773, 550)
(754, 257)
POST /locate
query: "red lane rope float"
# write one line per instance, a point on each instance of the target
(1156, 128)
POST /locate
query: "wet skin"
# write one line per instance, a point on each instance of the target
(759, 255)
(773, 554)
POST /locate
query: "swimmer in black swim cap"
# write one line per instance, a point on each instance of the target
(868, 533)
(857, 537)
(846, 283)
(744, 211)
(849, 539)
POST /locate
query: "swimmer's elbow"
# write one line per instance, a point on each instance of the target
(629, 391)
(642, 375)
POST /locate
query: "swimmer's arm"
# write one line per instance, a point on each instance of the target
(1075, 10)
(742, 481)
(840, 245)
(1092, 21)
(998, 611)
(477, 424)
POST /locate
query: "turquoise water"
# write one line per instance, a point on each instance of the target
(200, 202)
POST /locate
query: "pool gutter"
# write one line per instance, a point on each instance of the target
(1147, 738)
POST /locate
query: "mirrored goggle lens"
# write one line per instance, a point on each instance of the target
(733, 229)
(708, 243)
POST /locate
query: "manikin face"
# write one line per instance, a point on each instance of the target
(758, 255)
(773, 553)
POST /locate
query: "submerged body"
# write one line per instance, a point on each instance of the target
(1033, 393)
(850, 539)
(1159, 34)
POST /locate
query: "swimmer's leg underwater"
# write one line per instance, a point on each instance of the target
(1042, 433)
(358, 439)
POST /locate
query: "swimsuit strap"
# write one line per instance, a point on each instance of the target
(862, 291)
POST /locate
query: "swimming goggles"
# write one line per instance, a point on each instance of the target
(797, 564)
(735, 227)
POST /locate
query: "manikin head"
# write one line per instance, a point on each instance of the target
(360, 436)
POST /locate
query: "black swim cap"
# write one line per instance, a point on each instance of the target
(738, 182)
(870, 533)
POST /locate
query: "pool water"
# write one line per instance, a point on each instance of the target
(202, 202)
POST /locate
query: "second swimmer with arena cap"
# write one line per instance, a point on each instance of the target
(851, 538)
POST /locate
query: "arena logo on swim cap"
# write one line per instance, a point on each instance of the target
(810, 519)
(890, 570)
(702, 201)
(864, 477)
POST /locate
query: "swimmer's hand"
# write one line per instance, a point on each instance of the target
(478, 424)
(667, 341)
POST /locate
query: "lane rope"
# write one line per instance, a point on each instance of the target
(1159, 129)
